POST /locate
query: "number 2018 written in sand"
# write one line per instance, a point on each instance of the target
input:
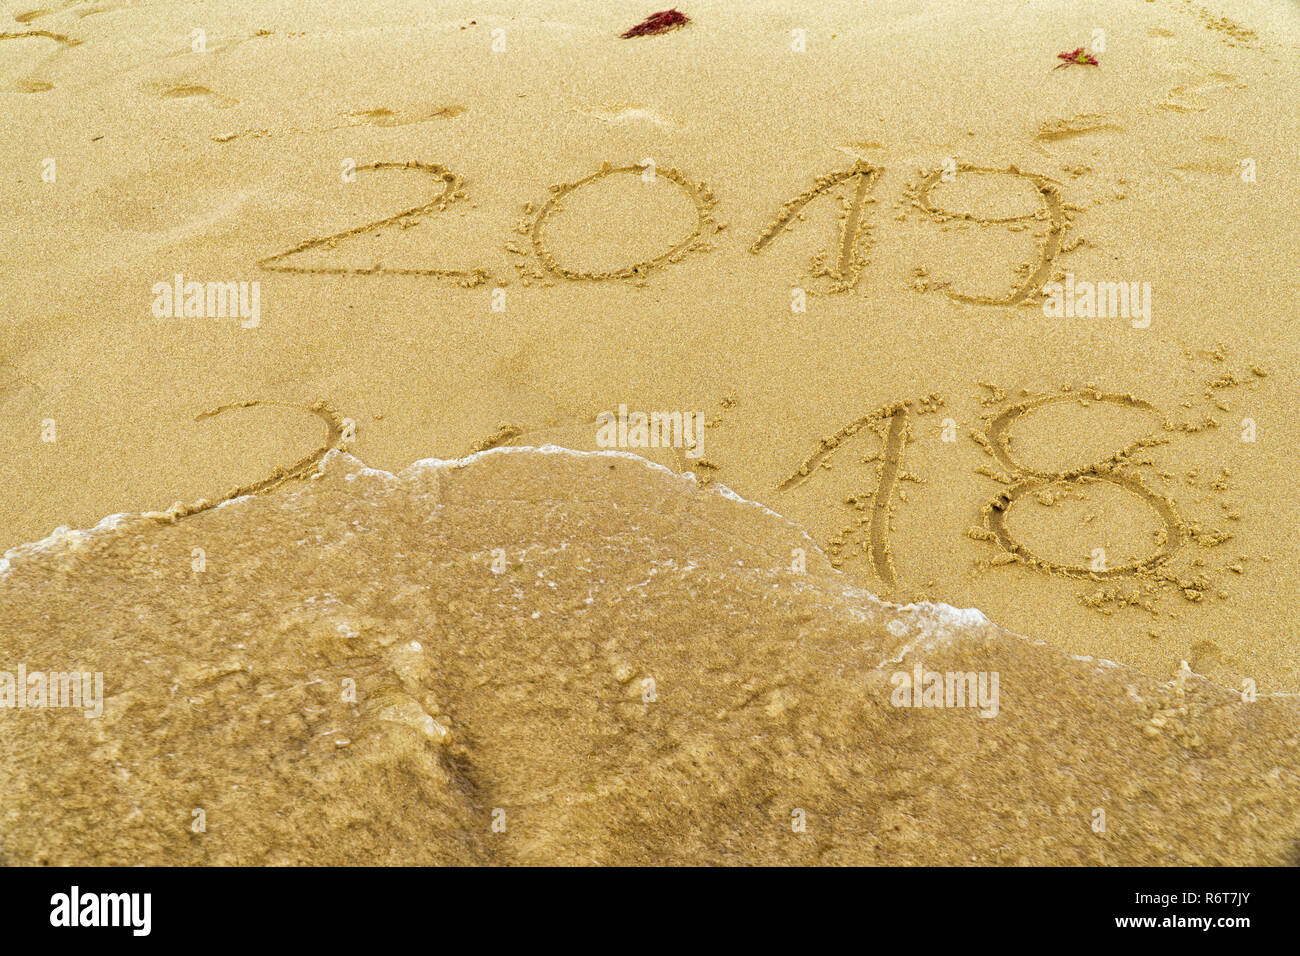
(841, 266)
(1118, 469)
(893, 425)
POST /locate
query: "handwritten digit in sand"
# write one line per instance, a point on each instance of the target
(882, 504)
(333, 439)
(451, 192)
(892, 425)
(1029, 480)
(1053, 211)
(998, 443)
(698, 193)
(851, 257)
(1171, 537)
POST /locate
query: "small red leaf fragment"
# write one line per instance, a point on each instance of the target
(660, 22)
(1077, 57)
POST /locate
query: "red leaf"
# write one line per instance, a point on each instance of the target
(660, 22)
(1077, 56)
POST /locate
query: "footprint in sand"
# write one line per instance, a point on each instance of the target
(24, 53)
(382, 116)
(1189, 97)
(378, 116)
(1208, 167)
(1084, 124)
(196, 93)
(1220, 156)
(1229, 31)
(626, 114)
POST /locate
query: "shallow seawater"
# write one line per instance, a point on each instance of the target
(545, 656)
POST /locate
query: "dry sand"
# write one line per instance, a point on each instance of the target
(501, 270)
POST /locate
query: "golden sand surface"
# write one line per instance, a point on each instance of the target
(829, 233)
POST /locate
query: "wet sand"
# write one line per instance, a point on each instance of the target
(555, 658)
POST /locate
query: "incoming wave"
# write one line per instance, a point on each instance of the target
(545, 656)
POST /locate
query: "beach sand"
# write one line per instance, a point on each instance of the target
(826, 232)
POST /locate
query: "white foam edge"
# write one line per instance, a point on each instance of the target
(930, 616)
(63, 536)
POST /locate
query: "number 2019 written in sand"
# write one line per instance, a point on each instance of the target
(841, 266)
